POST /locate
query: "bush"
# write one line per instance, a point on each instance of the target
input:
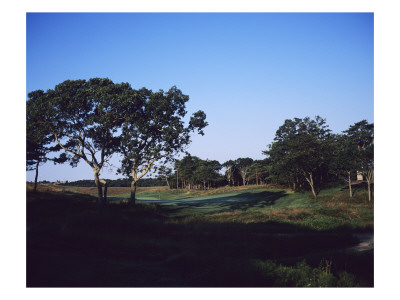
(303, 275)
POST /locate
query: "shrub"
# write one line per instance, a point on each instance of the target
(303, 275)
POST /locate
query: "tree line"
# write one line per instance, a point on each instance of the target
(93, 120)
(192, 172)
(304, 155)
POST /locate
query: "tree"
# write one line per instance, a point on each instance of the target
(207, 170)
(164, 173)
(38, 137)
(243, 165)
(345, 158)
(302, 150)
(259, 171)
(230, 171)
(153, 130)
(361, 135)
(83, 117)
(187, 170)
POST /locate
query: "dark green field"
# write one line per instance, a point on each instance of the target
(228, 237)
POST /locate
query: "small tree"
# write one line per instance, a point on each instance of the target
(153, 130)
(243, 165)
(345, 159)
(164, 173)
(38, 136)
(361, 134)
(259, 171)
(230, 171)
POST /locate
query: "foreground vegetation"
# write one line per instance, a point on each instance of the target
(229, 237)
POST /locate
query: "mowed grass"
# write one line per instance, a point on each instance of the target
(333, 209)
(253, 236)
(216, 200)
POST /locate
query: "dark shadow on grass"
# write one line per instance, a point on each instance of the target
(357, 187)
(242, 201)
(75, 243)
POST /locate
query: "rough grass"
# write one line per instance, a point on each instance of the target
(92, 191)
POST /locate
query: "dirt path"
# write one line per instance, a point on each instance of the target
(366, 243)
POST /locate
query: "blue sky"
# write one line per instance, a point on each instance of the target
(248, 72)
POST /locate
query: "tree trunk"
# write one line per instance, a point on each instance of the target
(351, 194)
(166, 179)
(105, 190)
(313, 191)
(310, 180)
(256, 177)
(369, 176)
(36, 176)
(99, 188)
(177, 178)
(369, 190)
(132, 200)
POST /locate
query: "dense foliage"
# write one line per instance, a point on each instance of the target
(305, 155)
(38, 136)
(193, 172)
(95, 119)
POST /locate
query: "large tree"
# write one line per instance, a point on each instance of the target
(153, 129)
(302, 151)
(84, 118)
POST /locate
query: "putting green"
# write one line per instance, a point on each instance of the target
(183, 203)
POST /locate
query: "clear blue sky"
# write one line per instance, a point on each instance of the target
(248, 72)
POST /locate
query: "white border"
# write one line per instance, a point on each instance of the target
(12, 24)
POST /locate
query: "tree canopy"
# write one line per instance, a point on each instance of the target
(362, 135)
(301, 151)
(153, 129)
(95, 119)
(38, 135)
(82, 116)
